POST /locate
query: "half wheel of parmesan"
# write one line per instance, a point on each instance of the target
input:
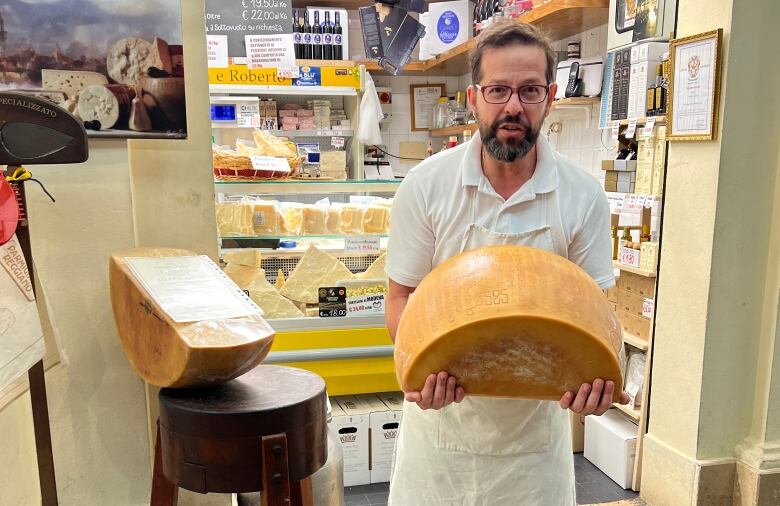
(509, 321)
(166, 353)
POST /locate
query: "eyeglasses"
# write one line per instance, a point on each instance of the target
(500, 94)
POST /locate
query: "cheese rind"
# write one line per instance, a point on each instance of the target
(315, 269)
(169, 354)
(509, 321)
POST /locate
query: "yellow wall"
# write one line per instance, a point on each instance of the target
(128, 193)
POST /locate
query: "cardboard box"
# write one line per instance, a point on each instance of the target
(577, 432)
(625, 186)
(607, 164)
(612, 294)
(642, 285)
(637, 326)
(610, 186)
(610, 444)
(393, 400)
(648, 256)
(353, 429)
(625, 165)
(384, 424)
(611, 175)
(630, 302)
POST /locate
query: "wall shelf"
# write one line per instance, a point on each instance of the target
(261, 89)
(558, 19)
(633, 270)
(634, 414)
(659, 120)
(303, 186)
(636, 342)
(453, 130)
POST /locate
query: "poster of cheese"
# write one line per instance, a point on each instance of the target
(117, 65)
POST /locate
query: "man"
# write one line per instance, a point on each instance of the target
(505, 186)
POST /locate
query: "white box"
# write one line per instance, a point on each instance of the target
(384, 424)
(393, 400)
(449, 24)
(649, 51)
(610, 444)
(352, 429)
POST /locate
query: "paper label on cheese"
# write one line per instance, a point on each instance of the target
(12, 259)
(191, 289)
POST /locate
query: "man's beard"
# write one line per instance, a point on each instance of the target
(512, 149)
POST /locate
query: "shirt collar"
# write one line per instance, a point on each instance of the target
(544, 179)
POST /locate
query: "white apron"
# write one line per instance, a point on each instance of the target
(489, 451)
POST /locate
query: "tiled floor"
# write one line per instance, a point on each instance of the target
(593, 487)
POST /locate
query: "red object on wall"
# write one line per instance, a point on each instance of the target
(9, 211)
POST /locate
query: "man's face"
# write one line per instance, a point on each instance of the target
(510, 130)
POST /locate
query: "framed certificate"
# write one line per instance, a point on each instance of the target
(694, 86)
(422, 99)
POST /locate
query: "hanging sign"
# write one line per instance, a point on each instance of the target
(238, 18)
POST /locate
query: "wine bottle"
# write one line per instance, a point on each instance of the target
(316, 31)
(307, 50)
(477, 25)
(337, 39)
(327, 38)
(297, 38)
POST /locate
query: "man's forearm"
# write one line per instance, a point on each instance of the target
(397, 297)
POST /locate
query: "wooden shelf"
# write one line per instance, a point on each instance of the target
(636, 342)
(350, 5)
(633, 270)
(453, 130)
(634, 414)
(659, 120)
(559, 19)
(576, 101)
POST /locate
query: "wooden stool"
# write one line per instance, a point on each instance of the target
(265, 430)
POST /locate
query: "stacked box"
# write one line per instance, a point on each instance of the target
(268, 113)
(648, 256)
(384, 424)
(353, 431)
(321, 109)
(659, 162)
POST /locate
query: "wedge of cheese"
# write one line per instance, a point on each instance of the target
(293, 218)
(266, 218)
(334, 220)
(71, 82)
(509, 321)
(376, 270)
(315, 219)
(244, 275)
(315, 269)
(248, 257)
(279, 279)
(375, 219)
(235, 219)
(160, 56)
(169, 354)
(352, 219)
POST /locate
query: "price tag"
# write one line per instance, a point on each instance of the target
(337, 142)
(648, 307)
(629, 256)
(289, 72)
(631, 203)
(248, 115)
(366, 305)
(631, 129)
(618, 203)
(217, 47)
(641, 200)
(615, 129)
(270, 163)
(362, 244)
(332, 301)
(648, 132)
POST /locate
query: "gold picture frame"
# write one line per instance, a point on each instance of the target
(694, 89)
(422, 98)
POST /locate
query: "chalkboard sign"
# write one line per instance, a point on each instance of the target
(238, 18)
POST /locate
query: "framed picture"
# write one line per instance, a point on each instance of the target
(116, 64)
(694, 86)
(422, 98)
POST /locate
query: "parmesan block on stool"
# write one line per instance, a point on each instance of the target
(170, 354)
(509, 321)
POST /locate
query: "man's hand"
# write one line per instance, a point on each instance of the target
(439, 390)
(593, 399)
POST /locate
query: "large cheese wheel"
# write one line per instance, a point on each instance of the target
(170, 354)
(509, 321)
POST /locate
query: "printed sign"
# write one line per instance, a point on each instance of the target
(362, 244)
(629, 257)
(332, 302)
(236, 19)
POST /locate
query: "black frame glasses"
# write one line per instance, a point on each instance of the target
(543, 89)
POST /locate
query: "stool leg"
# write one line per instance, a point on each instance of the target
(164, 493)
(276, 474)
(302, 493)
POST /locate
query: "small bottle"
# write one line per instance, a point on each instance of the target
(614, 242)
(316, 31)
(660, 91)
(297, 36)
(645, 236)
(337, 39)
(327, 38)
(466, 135)
(443, 146)
(626, 238)
(453, 141)
(307, 49)
(429, 151)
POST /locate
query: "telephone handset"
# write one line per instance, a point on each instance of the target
(574, 85)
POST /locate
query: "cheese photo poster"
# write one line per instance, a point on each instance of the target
(117, 65)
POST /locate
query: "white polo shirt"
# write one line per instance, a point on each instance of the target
(430, 211)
